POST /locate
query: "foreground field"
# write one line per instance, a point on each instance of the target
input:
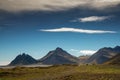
(62, 72)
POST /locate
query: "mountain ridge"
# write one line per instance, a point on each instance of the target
(58, 56)
(103, 55)
(23, 59)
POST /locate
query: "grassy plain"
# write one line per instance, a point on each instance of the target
(62, 72)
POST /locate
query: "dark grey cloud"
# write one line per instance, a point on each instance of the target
(55, 5)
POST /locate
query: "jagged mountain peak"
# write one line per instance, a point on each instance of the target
(58, 56)
(23, 59)
(23, 54)
(58, 49)
(105, 48)
(117, 48)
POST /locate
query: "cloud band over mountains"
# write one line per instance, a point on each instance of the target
(76, 30)
(83, 52)
(53, 5)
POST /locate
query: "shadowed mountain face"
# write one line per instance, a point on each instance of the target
(115, 60)
(103, 55)
(23, 59)
(58, 56)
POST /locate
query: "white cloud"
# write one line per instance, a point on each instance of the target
(93, 18)
(82, 52)
(76, 30)
(53, 5)
(87, 52)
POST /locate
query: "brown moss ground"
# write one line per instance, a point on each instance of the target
(63, 72)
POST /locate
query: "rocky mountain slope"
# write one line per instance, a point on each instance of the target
(115, 60)
(23, 59)
(58, 56)
(103, 55)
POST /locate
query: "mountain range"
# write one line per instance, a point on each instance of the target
(57, 56)
(60, 56)
(103, 55)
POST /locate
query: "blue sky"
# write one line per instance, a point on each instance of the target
(80, 27)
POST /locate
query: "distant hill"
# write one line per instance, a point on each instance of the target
(103, 55)
(58, 56)
(115, 60)
(83, 58)
(23, 59)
